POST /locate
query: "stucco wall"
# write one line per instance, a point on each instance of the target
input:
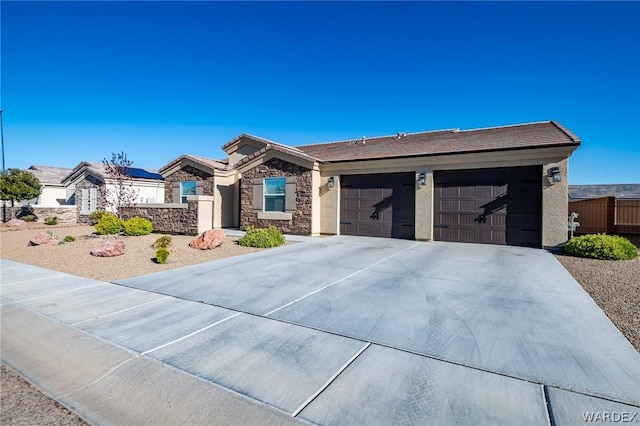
(300, 222)
(185, 174)
(52, 196)
(555, 201)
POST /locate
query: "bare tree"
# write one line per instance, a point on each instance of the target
(118, 190)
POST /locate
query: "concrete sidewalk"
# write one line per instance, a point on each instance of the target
(315, 332)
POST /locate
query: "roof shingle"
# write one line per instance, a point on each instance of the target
(530, 135)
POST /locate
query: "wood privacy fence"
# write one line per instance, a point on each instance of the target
(607, 215)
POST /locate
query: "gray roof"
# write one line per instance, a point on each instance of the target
(48, 174)
(581, 192)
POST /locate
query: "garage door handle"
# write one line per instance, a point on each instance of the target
(345, 223)
(441, 226)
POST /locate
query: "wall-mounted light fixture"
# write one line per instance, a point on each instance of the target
(331, 182)
(554, 173)
(422, 179)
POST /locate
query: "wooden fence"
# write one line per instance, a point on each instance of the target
(607, 215)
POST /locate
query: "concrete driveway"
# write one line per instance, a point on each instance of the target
(337, 330)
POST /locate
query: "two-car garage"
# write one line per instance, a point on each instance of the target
(489, 206)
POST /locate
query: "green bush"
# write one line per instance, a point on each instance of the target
(262, 237)
(97, 215)
(29, 218)
(162, 242)
(137, 226)
(69, 239)
(161, 255)
(601, 246)
(51, 220)
(109, 224)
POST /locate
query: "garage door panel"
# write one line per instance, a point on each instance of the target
(494, 206)
(380, 205)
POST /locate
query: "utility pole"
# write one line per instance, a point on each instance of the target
(2, 138)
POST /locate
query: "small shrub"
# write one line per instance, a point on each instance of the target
(52, 235)
(27, 213)
(137, 226)
(161, 255)
(262, 237)
(29, 218)
(109, 224)
(51, 220)
(97, 215)
(162, 242)
(69, 239)
(601, 246)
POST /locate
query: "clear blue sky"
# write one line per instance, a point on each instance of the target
(81, 80)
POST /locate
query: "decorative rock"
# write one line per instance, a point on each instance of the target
(208, 240)
(15, 223)
(109, 249)
(42, 239)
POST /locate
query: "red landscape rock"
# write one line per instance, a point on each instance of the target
(15, 223)
(208, 240)
(42, 239)
(109, 249)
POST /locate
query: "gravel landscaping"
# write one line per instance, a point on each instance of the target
(74, 257)
(615, 286)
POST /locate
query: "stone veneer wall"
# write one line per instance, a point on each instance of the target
(275, 167)
(173, 219)
(187, 173)
(88, 182)
(65, 214)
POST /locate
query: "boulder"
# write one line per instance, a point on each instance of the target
(15, 223)
(42, 239)
(208, 240)
(109, 248)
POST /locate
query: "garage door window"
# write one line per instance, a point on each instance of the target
(274, 194)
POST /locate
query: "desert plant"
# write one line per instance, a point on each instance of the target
(162, 242)
(162, 254)
(52, 235)
(27, 211)
(601, 246)
(109, 224)
(97, 215)
(52, 220)
(137, 226)
(120, 192)
(262, 237)
(69, 239)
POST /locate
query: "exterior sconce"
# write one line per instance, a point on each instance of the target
(554, 172)
(422, 179)
(331, 182)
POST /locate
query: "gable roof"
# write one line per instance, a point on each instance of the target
(48, 174)
(273, 146)
(453, 141)
(208, 163)
(581, 192)
(98, 170)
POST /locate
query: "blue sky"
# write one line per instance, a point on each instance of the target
(81, 80)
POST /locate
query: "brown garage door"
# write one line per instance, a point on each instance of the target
(491, 206)
(380, 205)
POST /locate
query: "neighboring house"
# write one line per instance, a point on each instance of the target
(620, 191)
(194, 175)
(84, 183)
(501, 185)
(54, 192)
